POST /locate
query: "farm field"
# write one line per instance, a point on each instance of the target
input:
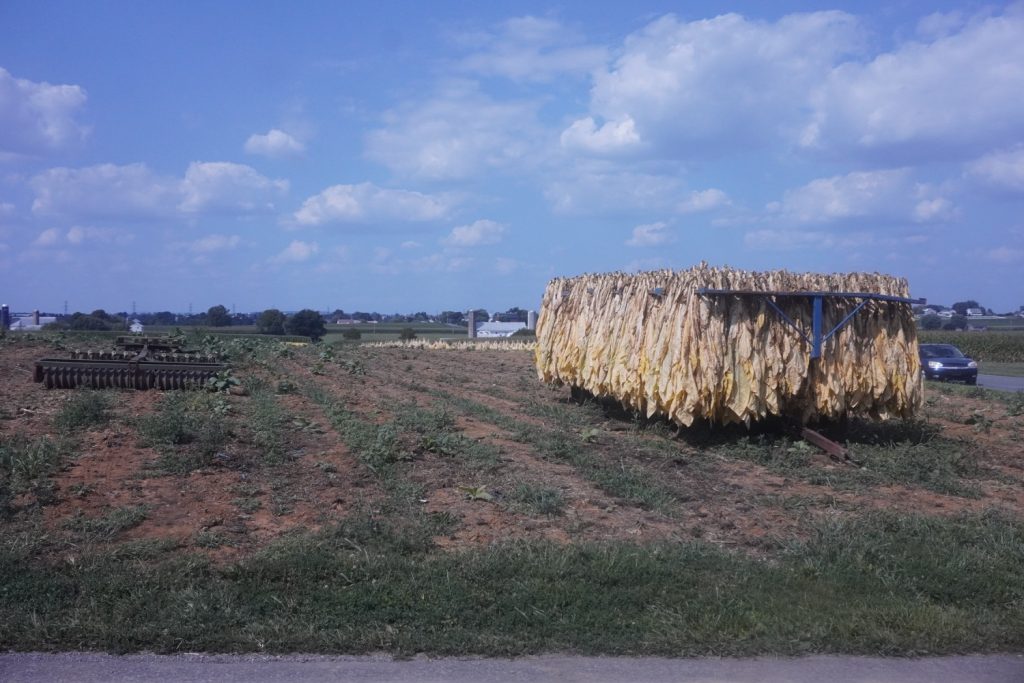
(997, 347)
(361, 499)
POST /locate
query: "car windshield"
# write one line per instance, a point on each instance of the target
(940, 351)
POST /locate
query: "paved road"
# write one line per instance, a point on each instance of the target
(1001, 383)
(102, 668)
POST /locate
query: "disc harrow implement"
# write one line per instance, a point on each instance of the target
(138, 343)
(139, 363)
(61, 373)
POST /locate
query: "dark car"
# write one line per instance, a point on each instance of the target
(947, 362)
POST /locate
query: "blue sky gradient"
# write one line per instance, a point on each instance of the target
(428, 156)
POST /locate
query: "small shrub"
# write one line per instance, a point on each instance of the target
(352, 334)
(407, 333)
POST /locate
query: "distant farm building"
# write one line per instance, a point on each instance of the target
(29, 323)
(498, 329)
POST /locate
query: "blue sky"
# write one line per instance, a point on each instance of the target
(430, 156)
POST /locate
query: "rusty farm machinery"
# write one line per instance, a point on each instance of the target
(138, 363)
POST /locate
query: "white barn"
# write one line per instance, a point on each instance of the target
(498, 329)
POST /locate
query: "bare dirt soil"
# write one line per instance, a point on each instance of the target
(605, 474)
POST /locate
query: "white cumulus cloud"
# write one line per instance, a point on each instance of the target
(611, 138)
(366, 202)
(721, 83)
(592, 188)
(475, 234)
(532, 49)
(296, 252)
(104, 190)
(455, 134)
(890, 194)
(221, 186)
(952, 97)
(135, 191)
(38, 117)
(506, 266)
(1003, 170)
(649, 235)
(79, 235)
(703, 200)
(47, 238)
(274, 143)
(1006, 255)
(215, 242)
(787, 240)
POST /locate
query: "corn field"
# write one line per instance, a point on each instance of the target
(997, 347)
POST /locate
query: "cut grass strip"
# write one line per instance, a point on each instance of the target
(875, 585)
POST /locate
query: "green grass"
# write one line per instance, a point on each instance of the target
(1003, 369)
(876, 585)
(908, 453)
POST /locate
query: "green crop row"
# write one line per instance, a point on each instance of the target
(997, 347)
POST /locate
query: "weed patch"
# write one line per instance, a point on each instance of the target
(188, 428)
(26, 466)
(108, 526)
(540, 500)
(267, 425)
(83, 410)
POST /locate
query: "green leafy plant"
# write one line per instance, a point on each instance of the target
(476, 492)
(222, 382)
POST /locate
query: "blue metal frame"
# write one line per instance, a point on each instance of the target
(817, 339)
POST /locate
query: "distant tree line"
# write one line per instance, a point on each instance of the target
(305, 323)
(272, 321)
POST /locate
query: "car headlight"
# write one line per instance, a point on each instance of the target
(934, 364)
(972, 364)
